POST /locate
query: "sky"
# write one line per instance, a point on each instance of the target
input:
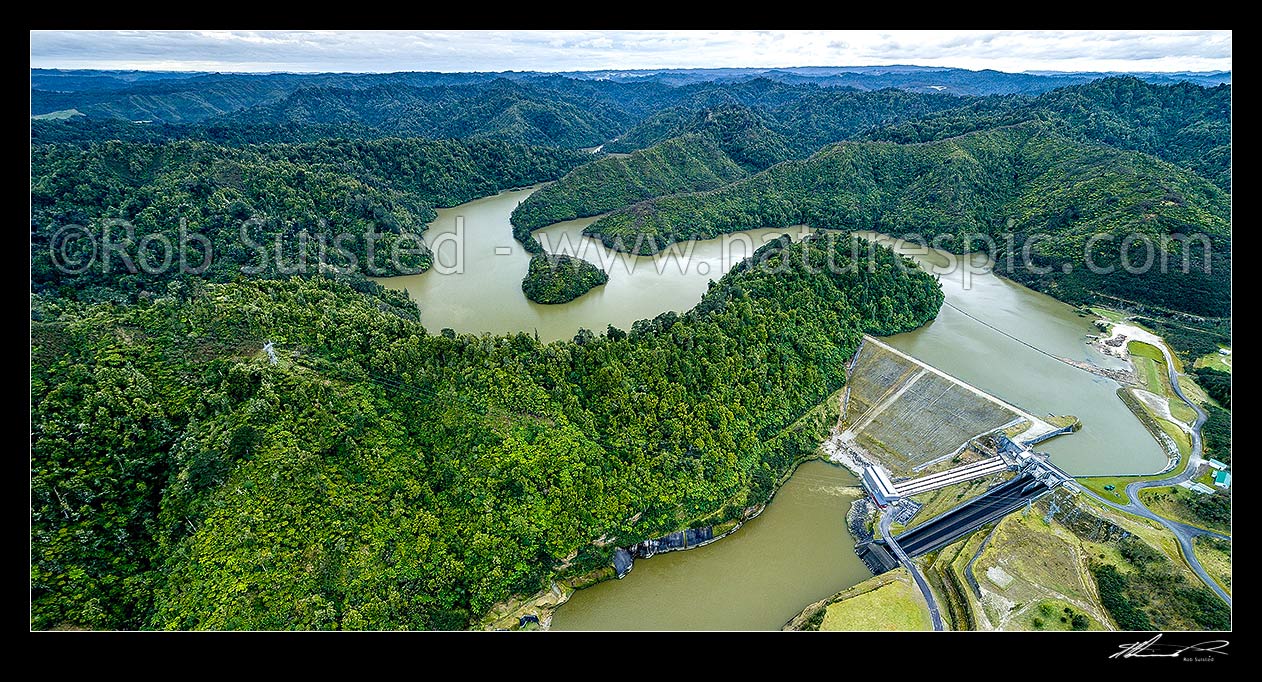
(381, 51)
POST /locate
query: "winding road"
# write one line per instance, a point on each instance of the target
(934, 614)
(1183, 532)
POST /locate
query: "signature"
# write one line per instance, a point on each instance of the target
(1152, 649)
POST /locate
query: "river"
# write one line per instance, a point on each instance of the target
(799, 550)
(794, 553)
(486, 296)
(1112, 441)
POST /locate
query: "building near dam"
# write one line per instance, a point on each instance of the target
(878, 484)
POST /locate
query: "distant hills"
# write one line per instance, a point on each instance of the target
(1185, 124)
(173, 97)
(1026, 179)
(724, 149)
(905, 77)
(807, 117)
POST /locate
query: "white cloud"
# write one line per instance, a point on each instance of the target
(578, 50)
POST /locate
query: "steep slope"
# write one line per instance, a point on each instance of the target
(1185, 124)
(721, 145)
(377, 477)
(502, 110)
(687, 163)
(808, 120)
(1047, 191)
(293, 201)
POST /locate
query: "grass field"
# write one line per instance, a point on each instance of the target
(1061, 421)
(1051, 615)
(1194, 392)
(1169, 502)
(1215, 557)
(1150, 371)
(1028, 551)
(1145, 350)
(59, 115)
(1119, 483)
(1216, 361)
(1118, 494)
(1029, 563)
(1149, 366)
(1181, 438)
(1178, 362)
(894, 606)
(1110, 314)
(1182, 412)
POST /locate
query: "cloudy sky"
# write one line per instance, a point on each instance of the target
(594, 50)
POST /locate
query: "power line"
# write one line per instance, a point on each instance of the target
(997, 329)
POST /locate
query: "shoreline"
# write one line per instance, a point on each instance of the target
(544, 603)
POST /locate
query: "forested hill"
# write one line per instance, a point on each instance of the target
(1184, 124)
(81, 130)
(690, 151)
(1024, 179)
(385, 187)
(501, 109)
(190, 97)
(723, 144)
(170, 100)
(555, 110)
(378, 477)
(810, 119)
(688, 163)
(165, 97)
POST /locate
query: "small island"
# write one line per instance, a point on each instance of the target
(557, 278)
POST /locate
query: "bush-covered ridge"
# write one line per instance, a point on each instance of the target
(1153, 595)
(805, 119)
(498, 110)
(379, 477)
(685, 164)
(1025, 180)
(1185, 124)
(558, 278)
(387, 188)
(701, 150)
